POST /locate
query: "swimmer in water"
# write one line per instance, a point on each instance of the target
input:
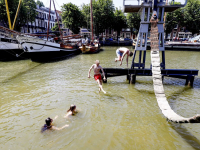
(49, 125)
(72, 111)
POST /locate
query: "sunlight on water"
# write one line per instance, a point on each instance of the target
(127, 117)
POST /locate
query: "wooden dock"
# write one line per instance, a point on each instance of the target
(187, 74)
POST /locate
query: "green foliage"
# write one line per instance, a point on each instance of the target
(173, 19)
(188, 17)
(40, 3)
(119, 21)
(55, 28)
(103, 15)
(192, 16)
(27, 12)
(133, 21)
(85, 9)
(72, 17)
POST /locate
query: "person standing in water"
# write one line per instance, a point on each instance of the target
(49, 125)
(121, 52)
(97, 74)
(71, 111)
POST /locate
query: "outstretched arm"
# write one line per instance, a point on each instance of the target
(90, 71)
(55, 128)
(123, 57)
(127, 60)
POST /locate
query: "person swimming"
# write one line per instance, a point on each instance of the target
(49, 125)
(71, 111)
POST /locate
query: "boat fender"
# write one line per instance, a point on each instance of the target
(25, 49)
(31, 47)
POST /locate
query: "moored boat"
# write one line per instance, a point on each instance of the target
(45, 51)
(89, 49)
(11, 49)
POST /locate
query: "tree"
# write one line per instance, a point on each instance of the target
(85, 9)
(103, 15)
(56, 29)
(173, 19)
(72, 17)
(119, 21)
(27, 12)
(40, 3)
(188, 17)
(192, 16)
(133, 21)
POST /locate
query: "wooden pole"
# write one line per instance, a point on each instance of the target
(57, 20)
(91, 21)
(48, 21)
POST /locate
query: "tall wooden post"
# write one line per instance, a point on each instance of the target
(91, 21)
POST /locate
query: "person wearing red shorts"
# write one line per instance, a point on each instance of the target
(97, 75)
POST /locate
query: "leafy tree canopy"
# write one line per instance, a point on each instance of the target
(27, 12)
(72, 17)
(119, 21)
(40, 3)
(133, 21)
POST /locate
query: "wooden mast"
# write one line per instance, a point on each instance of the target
(91, 21)
(57, 20)
(48, 21)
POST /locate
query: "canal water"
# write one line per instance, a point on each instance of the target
(127, 117)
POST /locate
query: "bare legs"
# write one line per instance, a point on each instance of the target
(100, 86)
(118, 59)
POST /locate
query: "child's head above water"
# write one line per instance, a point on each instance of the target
(48, 121)
(72, 107)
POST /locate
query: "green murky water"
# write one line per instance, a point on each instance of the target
(127, 117)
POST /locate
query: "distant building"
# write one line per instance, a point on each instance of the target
(41, 21)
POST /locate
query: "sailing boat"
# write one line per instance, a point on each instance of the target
(10, 48)
(45, 50)
(93, 47)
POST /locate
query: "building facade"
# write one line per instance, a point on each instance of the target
(41, 21)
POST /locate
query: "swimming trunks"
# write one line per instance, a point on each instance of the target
(119, 53)
(97, 76)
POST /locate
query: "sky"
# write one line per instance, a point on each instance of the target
(59, 3)
(117, 3)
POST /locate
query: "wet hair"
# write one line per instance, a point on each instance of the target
(131, 54)
(48, 121)
(72, 107)
(97, 61)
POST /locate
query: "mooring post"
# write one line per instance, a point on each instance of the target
(132, 78)
(189, 80)
(128, 76)
(104, 81)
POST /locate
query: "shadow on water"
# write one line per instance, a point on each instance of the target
(186, 135)
(197, 82)
(19, 74)
(179, 128)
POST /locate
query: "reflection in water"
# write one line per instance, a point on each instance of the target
(127, 117)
